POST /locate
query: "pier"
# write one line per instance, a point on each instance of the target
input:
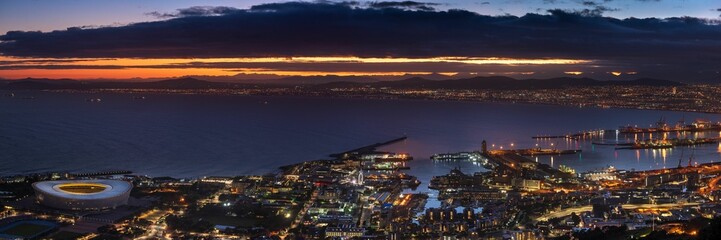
(101, 173)
(575, 136)
(536, 151)
(367, 149)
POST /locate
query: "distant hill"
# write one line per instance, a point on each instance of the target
(42, 83)
(492, 82)
(176, 83)
(310, 80)
(179, 83)
(431, 76)
(250, 78)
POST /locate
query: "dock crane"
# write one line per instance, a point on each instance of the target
(689, 158)
(681, 158)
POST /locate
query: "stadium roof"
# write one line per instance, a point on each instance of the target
(106, 188)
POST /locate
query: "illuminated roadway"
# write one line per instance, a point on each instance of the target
(588, 208)
(712, 185)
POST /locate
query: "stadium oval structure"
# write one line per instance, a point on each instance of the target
(83, 195)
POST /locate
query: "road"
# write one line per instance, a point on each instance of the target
(712, 185)
(587, 208)
(156, 230)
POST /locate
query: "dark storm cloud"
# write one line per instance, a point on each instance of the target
(597, 11)
(26, 66)
(405, 5)
(195, 11)
(342, 29)
(45, 61)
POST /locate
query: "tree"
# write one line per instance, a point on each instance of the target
(575, 218)
(712, 230)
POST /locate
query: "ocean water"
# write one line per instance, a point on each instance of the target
(200, 135)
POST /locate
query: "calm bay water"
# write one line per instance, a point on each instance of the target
(193, 135)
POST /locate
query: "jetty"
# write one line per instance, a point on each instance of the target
(367, 149)
(101, 173)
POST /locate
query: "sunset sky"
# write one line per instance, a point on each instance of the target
(606, 39)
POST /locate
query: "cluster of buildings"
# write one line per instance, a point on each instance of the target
(690, 98)
(365, 194)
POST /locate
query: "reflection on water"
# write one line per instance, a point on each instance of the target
(192, 135)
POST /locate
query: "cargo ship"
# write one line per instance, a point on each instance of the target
(459, 156)
(544, 151)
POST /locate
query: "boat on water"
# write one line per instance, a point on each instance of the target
(544, 151)
(610, 173)
(459, 156)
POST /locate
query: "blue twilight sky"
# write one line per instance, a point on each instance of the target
(34, 15)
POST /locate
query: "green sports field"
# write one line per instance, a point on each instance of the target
(26, 230)
(65, 235)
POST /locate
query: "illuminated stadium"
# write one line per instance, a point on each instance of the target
(83, 194)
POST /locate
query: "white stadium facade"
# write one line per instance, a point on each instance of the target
(83, 195)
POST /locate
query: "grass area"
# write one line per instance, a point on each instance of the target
(26, 230)
(82, 188)
(65, 235)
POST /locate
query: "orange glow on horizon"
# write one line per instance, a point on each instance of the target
(350, 59)
(174, 67)
(169, 73)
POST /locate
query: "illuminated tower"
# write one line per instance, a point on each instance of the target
(484, 147)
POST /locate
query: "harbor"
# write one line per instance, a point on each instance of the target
(663, 143)
(536, 151)
(699, 125)
(575, 136)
